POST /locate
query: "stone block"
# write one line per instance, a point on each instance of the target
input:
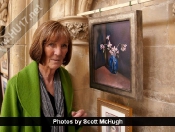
(79, 67)
(87, 99)
(17, 52)
(161, 96)
(155, 23)
(158, 63)
(154, 2)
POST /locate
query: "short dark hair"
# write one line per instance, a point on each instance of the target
(43, 34)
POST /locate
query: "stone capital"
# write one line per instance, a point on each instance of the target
(77, 27)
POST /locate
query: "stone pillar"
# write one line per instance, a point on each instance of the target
(18, 50)
(79, 64)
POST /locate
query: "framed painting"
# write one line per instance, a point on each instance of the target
(109, 109)
(5, 63)
(3, 84)
(116, 54)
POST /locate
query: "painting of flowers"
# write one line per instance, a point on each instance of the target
(112, 58)
(116, 54)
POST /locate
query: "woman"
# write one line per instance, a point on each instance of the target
(43, 88)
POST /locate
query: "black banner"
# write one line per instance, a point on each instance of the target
(88, 121)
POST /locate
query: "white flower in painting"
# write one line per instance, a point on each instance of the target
(109, 45)
(123, 47)
(107, 37)
(102, 47)
(114, 49)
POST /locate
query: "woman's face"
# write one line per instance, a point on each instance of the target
(55, 51)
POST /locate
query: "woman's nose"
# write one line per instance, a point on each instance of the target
(57, 51)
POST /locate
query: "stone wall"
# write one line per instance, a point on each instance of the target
(158, 66)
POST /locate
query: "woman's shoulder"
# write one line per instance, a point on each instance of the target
(30, 67)
(62, 69)
(63, 72)
(12, 80)
(29, 70)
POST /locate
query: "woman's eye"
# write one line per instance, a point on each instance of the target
(65, 45)
(51, 44)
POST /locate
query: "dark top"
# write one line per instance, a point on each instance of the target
(45, 126)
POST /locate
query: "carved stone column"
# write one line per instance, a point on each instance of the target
(79, 65)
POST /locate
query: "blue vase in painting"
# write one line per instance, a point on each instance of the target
(113, 64)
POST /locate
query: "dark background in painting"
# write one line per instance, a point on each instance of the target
(119, 33)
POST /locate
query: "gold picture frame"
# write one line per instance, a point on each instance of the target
(110, 109)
